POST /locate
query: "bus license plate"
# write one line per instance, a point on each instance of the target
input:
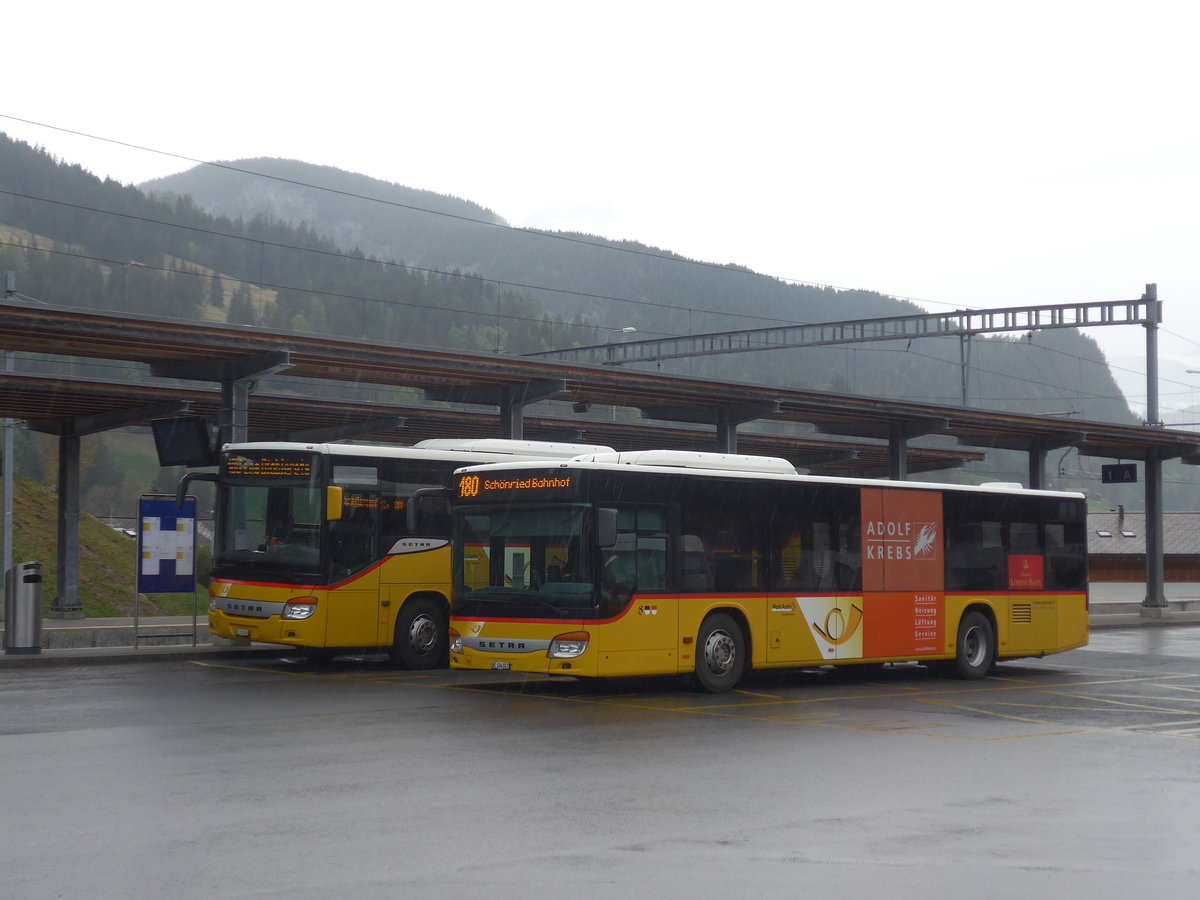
(502, 665)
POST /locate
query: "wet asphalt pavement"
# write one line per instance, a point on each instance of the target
(255, 776)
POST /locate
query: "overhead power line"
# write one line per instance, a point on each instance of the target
(508, 317)
(426, 270)
(536, 232)
(347, 257)
(553, 235)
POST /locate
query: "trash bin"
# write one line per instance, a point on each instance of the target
(23, 608)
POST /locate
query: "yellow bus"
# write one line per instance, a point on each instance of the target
(330, 547)
(666, 563)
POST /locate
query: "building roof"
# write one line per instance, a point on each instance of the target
(449, 379)
(1118, 533)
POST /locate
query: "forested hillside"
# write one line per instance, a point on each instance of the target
(108, 246)
(313, 249)
(444, 272)
(587, 287)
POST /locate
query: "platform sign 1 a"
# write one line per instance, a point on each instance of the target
(166, 545)
(1119, 473)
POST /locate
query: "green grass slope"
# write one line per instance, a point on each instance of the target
(107, 558)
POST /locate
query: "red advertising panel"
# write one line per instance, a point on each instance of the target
(903, 625)
(902, 540)
(1026, 573)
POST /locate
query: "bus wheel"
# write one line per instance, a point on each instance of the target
(420, 639)
(720, 654)
(975, 650)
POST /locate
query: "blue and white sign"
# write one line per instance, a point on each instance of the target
(166, 545)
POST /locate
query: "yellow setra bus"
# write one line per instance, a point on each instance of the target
(667, 563)
(329, 547)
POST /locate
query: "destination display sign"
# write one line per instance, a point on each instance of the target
(279, 466)
(473, 487)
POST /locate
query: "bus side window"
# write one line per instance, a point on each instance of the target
(638, 560)
(815, 545)
(792, 556)
(820, 566)
(1064, 568)
(352, 541)
(719, 552)
(697, 567)
(1023, 537)
(785, 560)
(818, 570)
(975, 557)
(847, 567)
(618, 577)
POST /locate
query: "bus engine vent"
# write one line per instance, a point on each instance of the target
(1022, 614)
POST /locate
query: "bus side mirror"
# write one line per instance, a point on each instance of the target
(181, 489)
(333, 502)
(606, 527)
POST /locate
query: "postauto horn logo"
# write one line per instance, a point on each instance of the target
(836, 624)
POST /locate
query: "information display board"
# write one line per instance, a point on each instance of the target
(166, 545)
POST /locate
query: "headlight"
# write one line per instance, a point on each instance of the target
(569, 646)
(300, 608)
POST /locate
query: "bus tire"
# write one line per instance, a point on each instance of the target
(975, 648)
(420, 636)
(720, 653)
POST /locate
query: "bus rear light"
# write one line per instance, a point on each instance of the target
(570, 645)
(456, 641)
(299, 608)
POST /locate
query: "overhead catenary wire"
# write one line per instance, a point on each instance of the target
(554, 235)
(272, 286)
(348, 257)
(519, 286)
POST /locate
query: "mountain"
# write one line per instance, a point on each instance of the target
(357, 213)
(75, 240)
(590, 287)
(292, 246)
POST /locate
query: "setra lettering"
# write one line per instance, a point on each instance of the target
(243, 607)
(501, 645)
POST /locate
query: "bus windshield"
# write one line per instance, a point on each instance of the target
(271, 518)
(525, 561)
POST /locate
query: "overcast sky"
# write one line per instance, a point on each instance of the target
(960, 154)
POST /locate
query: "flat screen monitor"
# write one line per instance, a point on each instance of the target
(184, 441)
